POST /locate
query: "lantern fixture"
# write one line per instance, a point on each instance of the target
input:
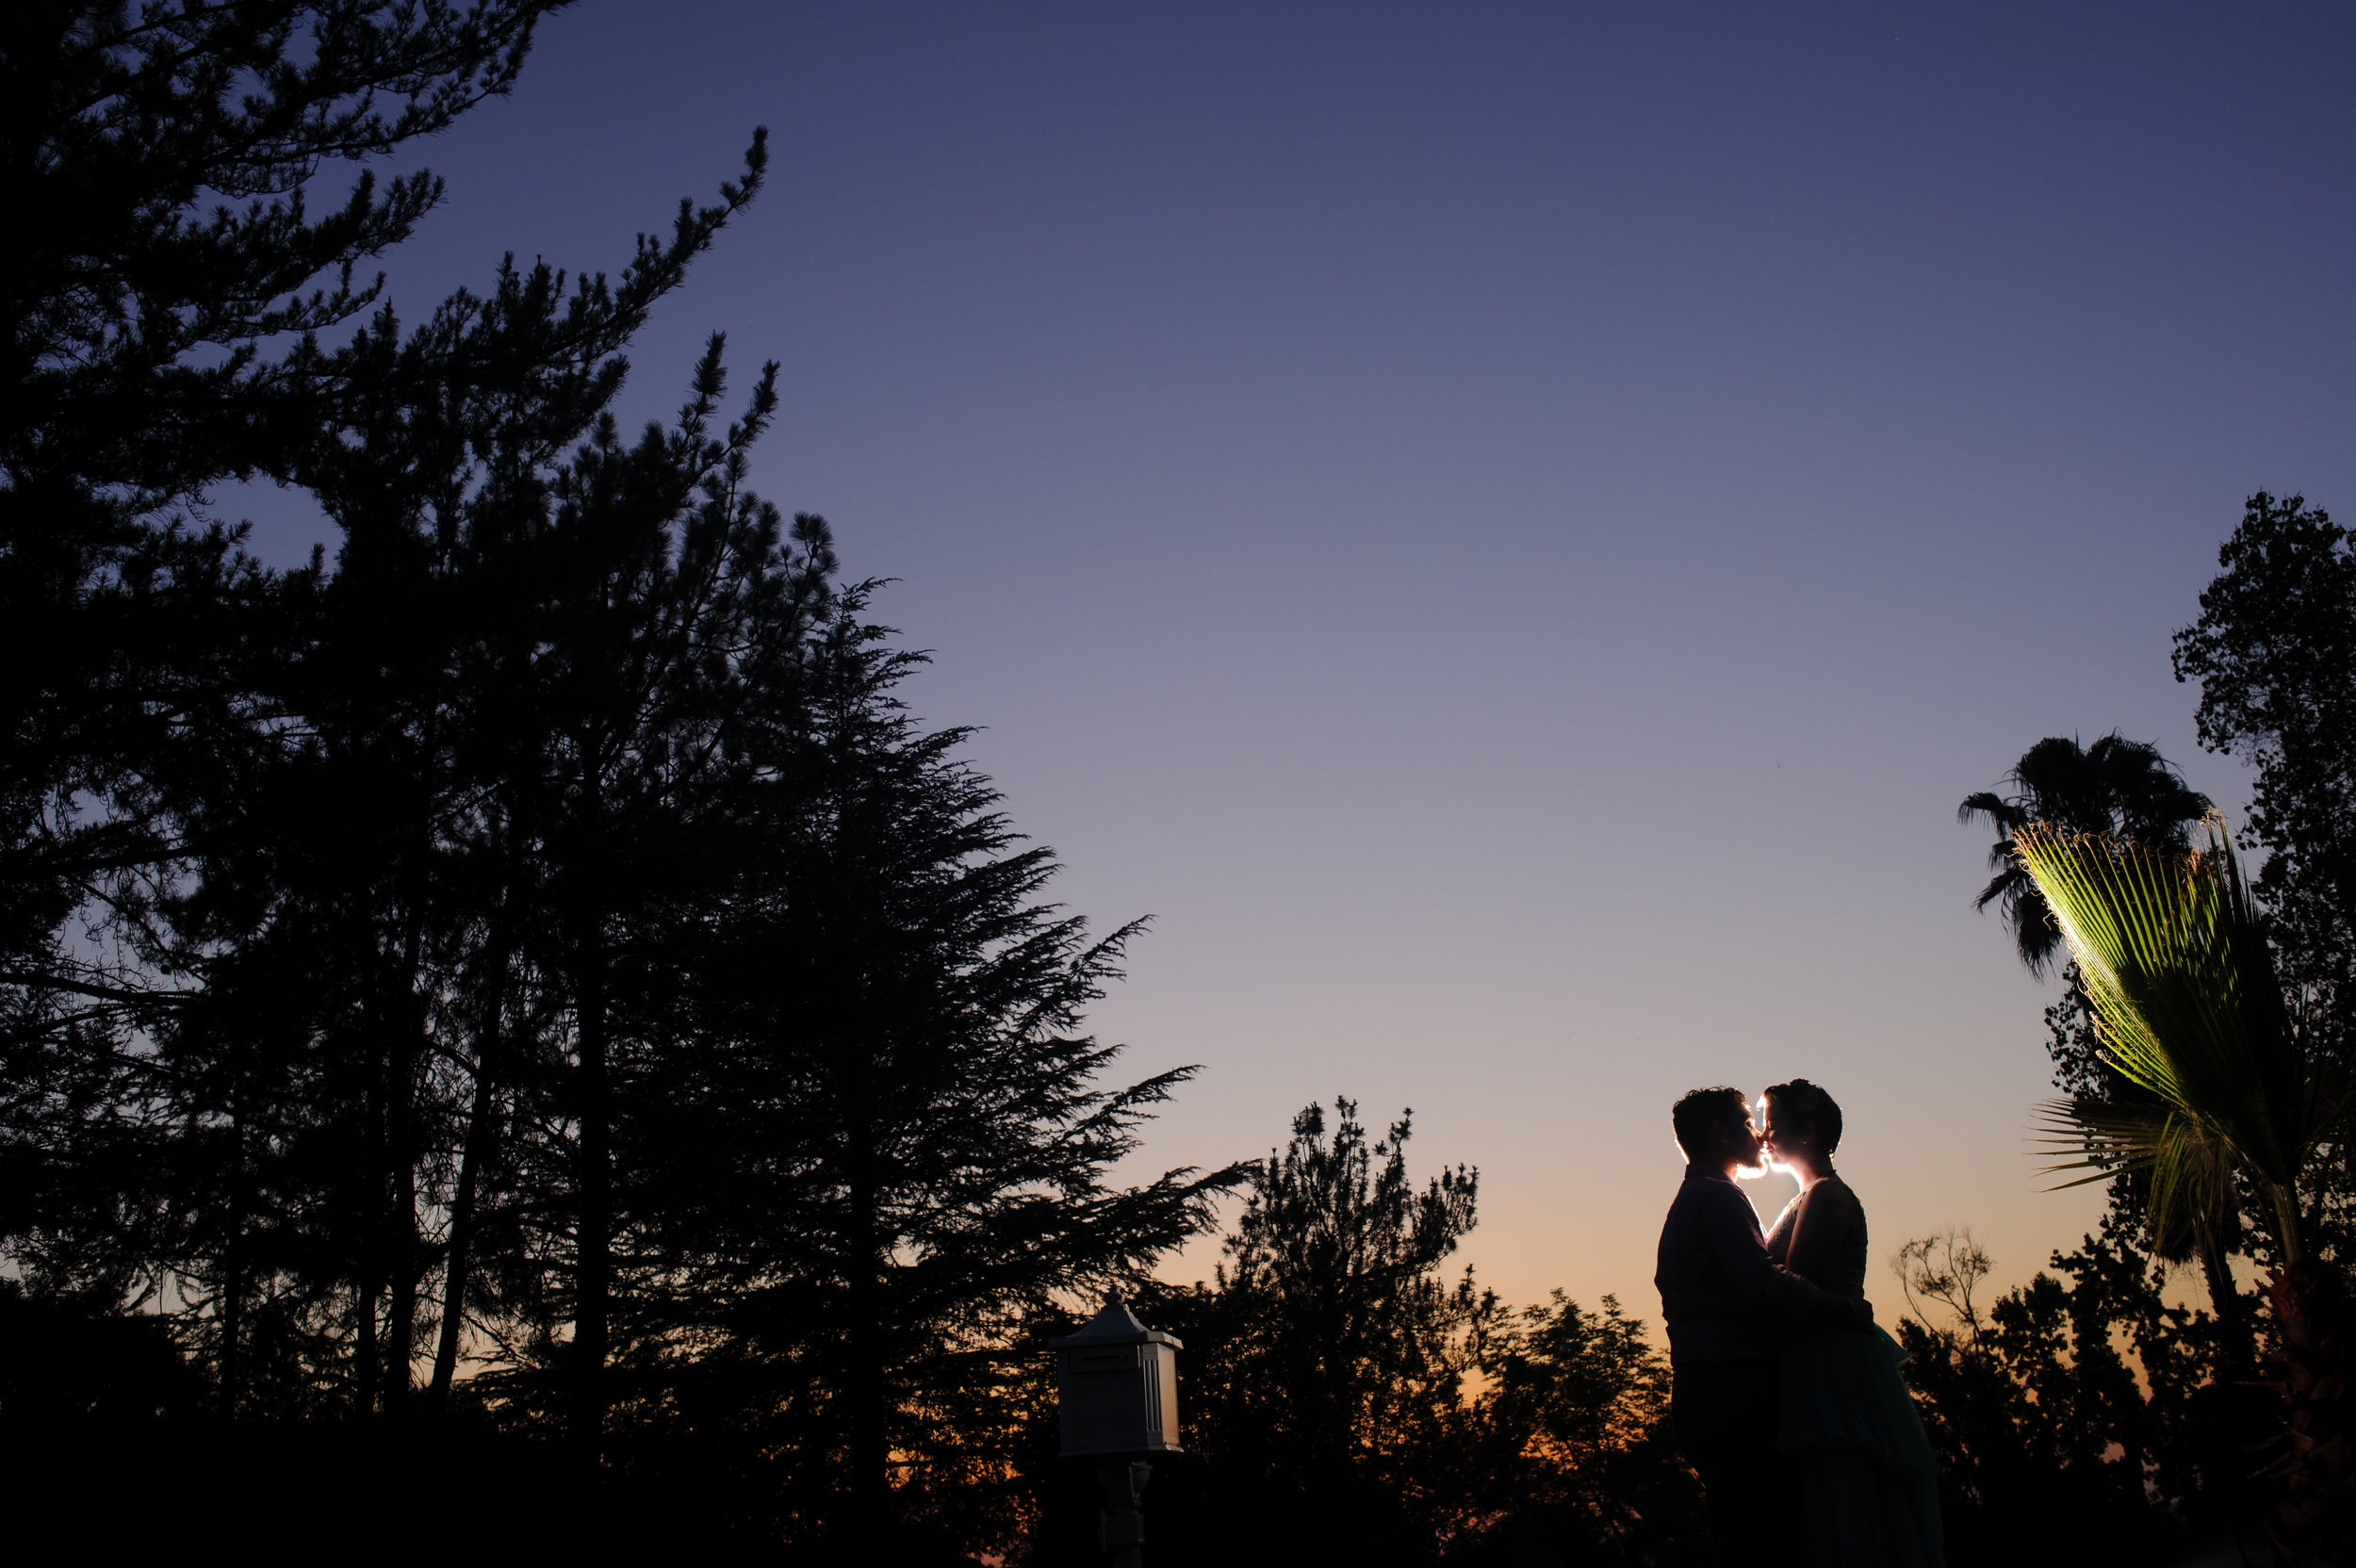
(1117, 1386)
(1117, 1392)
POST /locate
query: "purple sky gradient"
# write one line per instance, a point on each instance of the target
(1507, 529)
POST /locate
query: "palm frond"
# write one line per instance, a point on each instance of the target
(2036, 935)
(2093, 1140)
(2172, 951)
(2002, 814)
(2176, 963)
(2191, 1169)
(2011, 881)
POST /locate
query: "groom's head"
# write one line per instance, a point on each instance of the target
(1714, 1127)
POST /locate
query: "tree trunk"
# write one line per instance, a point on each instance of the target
(2313, 1517)
(370, 1276)
(2313, 1520)
(593, 1239)
(481, 1132)
(410, 1022)
(231, 1273)
(459, 1257)
(363, 1346)
(401, 1095)
(2225, 1301)
(232, 1331)
(871, 1438)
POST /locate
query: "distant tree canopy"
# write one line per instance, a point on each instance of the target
(2078, 1417)
(1346, 1399)
(2274, 651)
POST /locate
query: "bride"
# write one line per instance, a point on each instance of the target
(1868, 1483)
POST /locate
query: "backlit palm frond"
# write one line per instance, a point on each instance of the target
(2175, 961)
(2104, 1139)
(2191, 1169)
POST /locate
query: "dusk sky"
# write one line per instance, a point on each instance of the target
(1507, 530)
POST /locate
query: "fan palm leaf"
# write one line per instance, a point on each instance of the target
(2173, 955)
(2191, 1169)
(2174, 958)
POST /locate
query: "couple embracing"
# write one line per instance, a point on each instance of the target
(1785, 1396)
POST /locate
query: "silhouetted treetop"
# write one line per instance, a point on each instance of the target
(2116, 786)
(2274, 651)
(122, 125)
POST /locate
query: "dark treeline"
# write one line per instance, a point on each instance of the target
(522, 979)
(1350, 1399)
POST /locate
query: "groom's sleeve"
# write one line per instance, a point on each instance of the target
(1742, 1254)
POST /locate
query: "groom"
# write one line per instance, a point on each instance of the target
(1723, 1301)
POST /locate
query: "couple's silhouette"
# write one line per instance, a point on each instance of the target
(1786, 1400)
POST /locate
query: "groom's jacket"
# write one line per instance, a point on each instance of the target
(1712, 1247)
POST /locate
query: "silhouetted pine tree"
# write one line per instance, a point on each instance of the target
(1337, 1351)
(294, 808)
(133, 375)
(156, 726)
(670, 655)
(887, 1140)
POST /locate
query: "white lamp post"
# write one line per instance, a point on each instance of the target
(1117, 1391)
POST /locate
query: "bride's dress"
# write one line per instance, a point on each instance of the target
(1869, 1481)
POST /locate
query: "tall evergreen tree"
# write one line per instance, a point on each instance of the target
(288, 806)
(888, 1141)
(671, 655)
(133, 375)
(140, 371)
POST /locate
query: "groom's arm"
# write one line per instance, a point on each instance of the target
(1837, 1310)
(1762, 1289)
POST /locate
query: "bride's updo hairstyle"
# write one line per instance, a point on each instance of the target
(1803, 1102)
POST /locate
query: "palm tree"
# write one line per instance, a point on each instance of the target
(2126, 791)
(2122, 787)
(2172, 952)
